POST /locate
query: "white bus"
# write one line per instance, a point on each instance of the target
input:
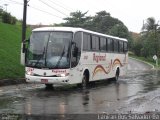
(66, 55)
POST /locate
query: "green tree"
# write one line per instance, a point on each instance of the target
(1, 12)
(148, 48)
(151, 33)
(13, 20)
(149, 25)
(103, 22)
(137, 47)
(77, 19)
(7, 18)
(119, 30)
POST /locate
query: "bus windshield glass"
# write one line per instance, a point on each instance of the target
(49, 50)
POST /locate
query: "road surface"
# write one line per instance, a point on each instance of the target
(137, 92)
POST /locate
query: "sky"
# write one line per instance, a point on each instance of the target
(131, 12)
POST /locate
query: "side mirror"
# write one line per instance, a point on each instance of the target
(74, 50)
(25, 42)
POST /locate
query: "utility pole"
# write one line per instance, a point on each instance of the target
(24, 23)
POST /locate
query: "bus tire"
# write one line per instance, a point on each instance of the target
(49, 86)
(116, 75)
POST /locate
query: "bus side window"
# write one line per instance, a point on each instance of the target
(86, 42)
(125, 47)
(115, 45)
(95, 43)
(103, 44)
(120, 46)
(76, 49)
(106, 44)
(110, 45)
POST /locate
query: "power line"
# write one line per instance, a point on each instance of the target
(15, 2)
(44, 11)
(59, 5)
(65, 5)
(53, 8)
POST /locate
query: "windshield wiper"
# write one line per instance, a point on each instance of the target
(60, 58)
(40, 58)
(45, 59)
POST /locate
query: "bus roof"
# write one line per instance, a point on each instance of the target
(73, 29)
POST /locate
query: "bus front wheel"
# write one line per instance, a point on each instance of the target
(84, 81)
(49, 86)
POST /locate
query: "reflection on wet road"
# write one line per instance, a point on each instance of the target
(108, 96)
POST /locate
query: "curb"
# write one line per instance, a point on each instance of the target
(6, 82)
(144, 62)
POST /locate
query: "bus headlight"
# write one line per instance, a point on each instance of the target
(29, 73)
(63, 75)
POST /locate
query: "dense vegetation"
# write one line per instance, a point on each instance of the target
(6, 17)
(148, 43)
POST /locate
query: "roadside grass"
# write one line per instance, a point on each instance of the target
(10, 45)
(148, 60)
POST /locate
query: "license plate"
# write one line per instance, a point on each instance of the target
(44, 80)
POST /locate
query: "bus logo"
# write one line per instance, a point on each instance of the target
(44, 73)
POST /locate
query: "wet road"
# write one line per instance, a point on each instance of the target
(132, 93)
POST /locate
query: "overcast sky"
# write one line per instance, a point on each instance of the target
(131, 12)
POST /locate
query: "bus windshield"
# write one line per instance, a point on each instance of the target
(49, 50)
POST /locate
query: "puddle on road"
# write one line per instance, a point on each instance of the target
(146, 80)
(32, 99)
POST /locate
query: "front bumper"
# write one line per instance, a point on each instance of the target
(48, 80)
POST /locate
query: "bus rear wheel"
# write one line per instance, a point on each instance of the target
(116, 75)
(84, 82)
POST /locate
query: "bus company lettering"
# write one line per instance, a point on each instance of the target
(59, 71)
(98, 58)
(30, 69)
